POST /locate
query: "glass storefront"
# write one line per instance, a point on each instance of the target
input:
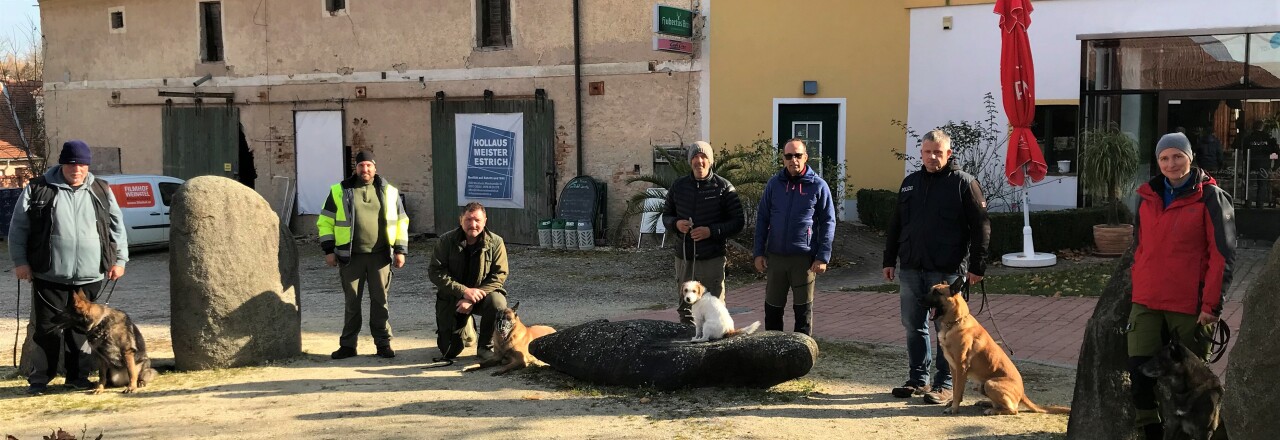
(1221, 89)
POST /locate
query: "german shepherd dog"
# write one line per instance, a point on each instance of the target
(1191, 397)
(972, 354)
(116, 341)
(511, 340)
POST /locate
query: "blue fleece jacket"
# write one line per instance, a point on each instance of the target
(74, 243)
(796, 216)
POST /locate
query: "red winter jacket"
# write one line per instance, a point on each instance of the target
(1186, 250)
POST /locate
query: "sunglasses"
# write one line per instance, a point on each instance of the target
(790, 156)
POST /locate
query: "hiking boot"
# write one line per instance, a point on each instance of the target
(908, 390)
(81, 384)
(485, 353)
(36, 389)
(938, 397)
(343, 353)
(385, 351)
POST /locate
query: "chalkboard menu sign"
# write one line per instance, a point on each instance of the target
(579, 200)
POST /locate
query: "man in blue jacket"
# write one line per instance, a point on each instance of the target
(938, 233)
(795, 226)
(67, 234)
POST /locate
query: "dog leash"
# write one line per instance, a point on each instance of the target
(17, 324)
(104, 287)
(990, 316)
(1218, 338)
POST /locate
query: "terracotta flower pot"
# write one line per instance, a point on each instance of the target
(1112, 240)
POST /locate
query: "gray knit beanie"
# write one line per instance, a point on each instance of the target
(1175, 140)
(701, 147)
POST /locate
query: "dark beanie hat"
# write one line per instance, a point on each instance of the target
(366, 155)
(74, 152)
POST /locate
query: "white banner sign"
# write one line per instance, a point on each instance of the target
(490, 150)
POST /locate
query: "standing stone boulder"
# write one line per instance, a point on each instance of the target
(1102, 407)
(658, 354)
(1253, 393)
(228, 308)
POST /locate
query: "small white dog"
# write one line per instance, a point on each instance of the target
(710, 317)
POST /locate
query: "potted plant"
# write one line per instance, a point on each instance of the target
(1108, 162)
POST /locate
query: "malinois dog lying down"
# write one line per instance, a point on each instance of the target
(511, 343)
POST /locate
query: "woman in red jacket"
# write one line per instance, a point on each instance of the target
(1185, 234)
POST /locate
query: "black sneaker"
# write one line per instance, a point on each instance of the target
(81, 384)
(37, 389)
(343, 353)
(908, 390)
(385, 351)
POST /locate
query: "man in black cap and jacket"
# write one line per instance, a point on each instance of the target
(704, 208)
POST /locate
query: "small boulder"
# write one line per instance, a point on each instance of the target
(658, 354)
(228, 308)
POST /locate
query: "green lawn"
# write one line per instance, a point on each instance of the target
(1084, 280)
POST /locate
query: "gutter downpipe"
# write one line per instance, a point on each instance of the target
(577, 78)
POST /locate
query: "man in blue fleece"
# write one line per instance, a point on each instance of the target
(67, 234)
(795, 226)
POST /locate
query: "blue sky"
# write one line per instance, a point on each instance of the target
(15, 18)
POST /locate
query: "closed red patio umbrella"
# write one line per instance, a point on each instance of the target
(1023, 159)
(1018, 84)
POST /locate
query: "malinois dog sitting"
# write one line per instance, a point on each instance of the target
(972, 354)
(117, 343)
(511, 343)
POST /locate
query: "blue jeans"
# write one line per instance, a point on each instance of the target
(915, 285)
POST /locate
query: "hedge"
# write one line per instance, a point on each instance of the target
(1052, 230)
(875, 207)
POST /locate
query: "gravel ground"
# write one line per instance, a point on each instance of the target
(316, 397)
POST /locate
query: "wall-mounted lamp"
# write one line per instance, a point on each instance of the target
(811, 87)
(202, 80)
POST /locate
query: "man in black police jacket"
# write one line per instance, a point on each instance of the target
(938, 233)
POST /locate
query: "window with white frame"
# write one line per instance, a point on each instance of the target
(811, 132)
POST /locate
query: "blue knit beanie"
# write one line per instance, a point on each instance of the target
(75, 152)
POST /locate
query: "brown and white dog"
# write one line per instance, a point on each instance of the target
(116, 342)
(511, 340)
(973, 354)
(711, 318)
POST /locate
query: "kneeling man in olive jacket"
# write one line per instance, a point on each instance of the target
(469, 269)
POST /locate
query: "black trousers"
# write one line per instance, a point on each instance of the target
(48, 300)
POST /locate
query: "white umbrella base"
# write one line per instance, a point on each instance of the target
(1038, 259)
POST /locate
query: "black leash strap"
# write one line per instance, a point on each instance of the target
(104, 287)
(17, 323)
(1218, 339)
(438, 362)
(990, 316)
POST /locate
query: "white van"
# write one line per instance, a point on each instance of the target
(144, 199)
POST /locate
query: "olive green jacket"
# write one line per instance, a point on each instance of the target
(448, 265)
